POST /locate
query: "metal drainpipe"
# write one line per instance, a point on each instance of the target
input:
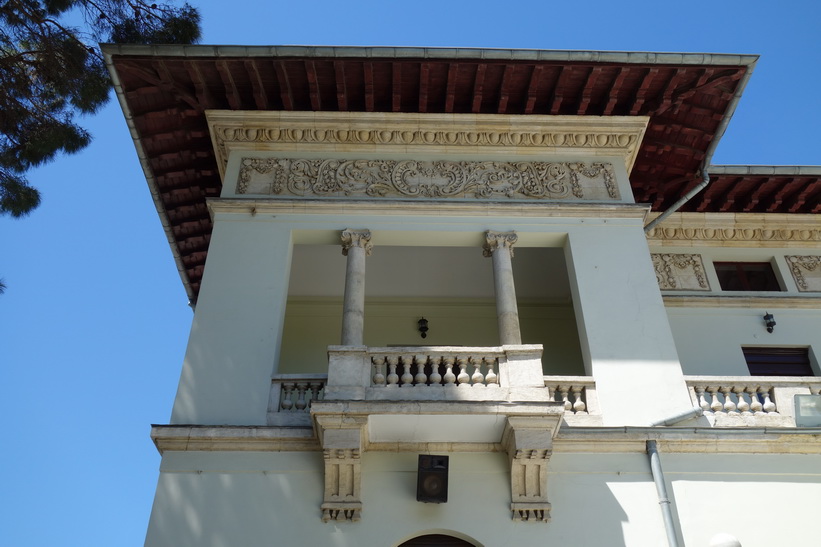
(664, 499)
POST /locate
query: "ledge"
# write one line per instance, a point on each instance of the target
(689, 440)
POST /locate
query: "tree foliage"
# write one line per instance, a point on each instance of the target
(50, 71)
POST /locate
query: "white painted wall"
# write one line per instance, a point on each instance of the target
(237, 326)
(625, 336)
(251, 499)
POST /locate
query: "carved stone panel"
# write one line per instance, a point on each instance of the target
(806, 271)
(441, 179)
(680, 272)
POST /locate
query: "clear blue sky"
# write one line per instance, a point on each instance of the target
(95, 320)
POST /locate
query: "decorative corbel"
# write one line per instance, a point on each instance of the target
(529, 444)
(341, 445)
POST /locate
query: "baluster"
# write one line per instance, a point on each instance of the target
(564, 391)
(450, 377)
(743, 405)
(407, 377)
(300, 402)
(755, 400)
(435, 378)
(315, 388)
(578, 404)
(393, 378)
(378, 375)
(490, 377)
(715, 404)
(477, 379)
(768, 405)
(421, 377)
(729, 404)
(702, 402)
(286, 404)
(463, 378)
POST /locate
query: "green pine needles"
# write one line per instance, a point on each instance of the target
(51, 71)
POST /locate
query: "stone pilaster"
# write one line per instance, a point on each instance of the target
(356, 245)
(499, 246)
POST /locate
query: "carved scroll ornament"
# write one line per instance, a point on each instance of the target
(806, 271)
(683, 272)
(375, 178)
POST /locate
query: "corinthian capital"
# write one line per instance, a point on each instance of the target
(356, 238)
(495, 240)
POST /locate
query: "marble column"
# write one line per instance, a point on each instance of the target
(499, 246)
(356, 245)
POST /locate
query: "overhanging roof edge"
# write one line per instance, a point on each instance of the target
(444, 53)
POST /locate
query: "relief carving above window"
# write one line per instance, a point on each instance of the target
(680, 272)
(806, 271)
(380, 178)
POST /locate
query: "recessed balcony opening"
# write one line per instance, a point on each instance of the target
(451, 287)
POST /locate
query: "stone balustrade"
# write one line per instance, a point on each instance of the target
(292, 395)
(572, 391)
(436, 373)
(468, 367)
(750, 400)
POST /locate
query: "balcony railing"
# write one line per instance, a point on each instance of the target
(750, 400)
(291, 397)
(511, 373)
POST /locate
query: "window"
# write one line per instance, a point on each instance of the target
(778, 361)
(746, 276)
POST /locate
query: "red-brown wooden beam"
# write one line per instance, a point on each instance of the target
(284, 85)
(341, 86)
(231, 91)
(313, 86)
(533, 88)
(450, 94)
(257, 87)
(478, 87)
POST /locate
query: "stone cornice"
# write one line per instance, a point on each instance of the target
(519, 209)
(777, 301)
(407, 133)
(568, 440)
(738, 229)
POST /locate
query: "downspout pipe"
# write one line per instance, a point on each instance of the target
(661, 489)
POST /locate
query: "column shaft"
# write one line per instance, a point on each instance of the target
(499, 246)
(356, 245)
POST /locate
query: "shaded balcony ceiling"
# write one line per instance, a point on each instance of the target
(688, 98)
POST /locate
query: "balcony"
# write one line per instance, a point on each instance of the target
(431, 375)
(755, 401)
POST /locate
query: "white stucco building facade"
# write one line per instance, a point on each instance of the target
(439, 252)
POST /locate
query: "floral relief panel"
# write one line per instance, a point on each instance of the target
(680, 272)
(806, 271)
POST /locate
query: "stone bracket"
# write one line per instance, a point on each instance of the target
(529, 444)
(342, 446)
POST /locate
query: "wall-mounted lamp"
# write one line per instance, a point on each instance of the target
(769, 321)
(423, 327)
(432, 479)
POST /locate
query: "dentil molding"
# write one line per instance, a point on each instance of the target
(443, 134)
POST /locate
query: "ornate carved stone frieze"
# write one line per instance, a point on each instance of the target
(356, 238)
(681, 272)
(806, 271)
(494, 240)
(441, 179)
(716, 229)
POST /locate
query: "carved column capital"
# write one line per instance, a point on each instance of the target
(356, 238)
(495, 240)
